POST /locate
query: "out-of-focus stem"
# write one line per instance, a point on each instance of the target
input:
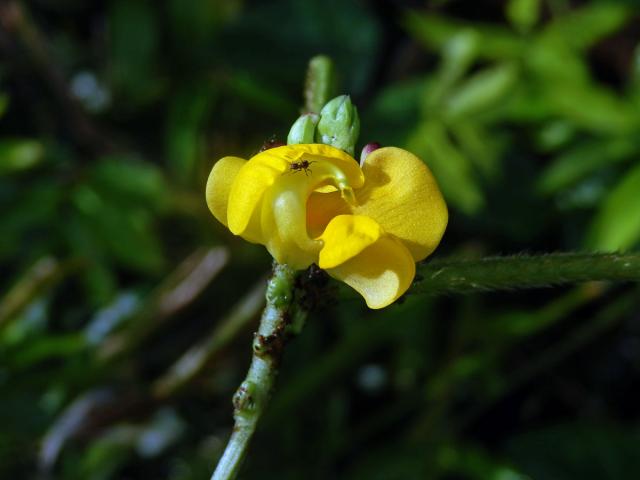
(319, 84)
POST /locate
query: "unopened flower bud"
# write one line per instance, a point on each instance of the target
(339, 124)
(366, 150)
(303, 129)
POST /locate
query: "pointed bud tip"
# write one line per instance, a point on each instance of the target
(367, 149)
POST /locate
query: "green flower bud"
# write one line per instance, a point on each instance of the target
(303, 129)
(339, 124)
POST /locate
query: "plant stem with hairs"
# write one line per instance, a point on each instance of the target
(282, 318)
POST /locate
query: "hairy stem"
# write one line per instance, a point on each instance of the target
(523, 271)
(280, 320)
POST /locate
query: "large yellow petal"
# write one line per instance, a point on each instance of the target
(345, 237)
(219, 183)
(401, 194)
(381, 273)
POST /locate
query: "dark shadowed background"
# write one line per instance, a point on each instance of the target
(127, 311)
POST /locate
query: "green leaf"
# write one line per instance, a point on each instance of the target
(19, 154)
(617, 223)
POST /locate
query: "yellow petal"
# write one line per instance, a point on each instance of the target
(345, 237)
(219, 184)
(247, 190)
(401, 194)
(381, 273)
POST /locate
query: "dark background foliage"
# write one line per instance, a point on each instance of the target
(126, 311)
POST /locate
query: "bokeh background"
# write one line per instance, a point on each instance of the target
(126, 311)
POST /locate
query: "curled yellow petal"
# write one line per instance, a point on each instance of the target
(219, 183)
(247, 190)
(345, 237)
(381, 273)
(260, 173)
(401, 194)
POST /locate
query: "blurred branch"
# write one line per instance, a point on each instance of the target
(43, 274)
(21, 41)
(319, 85)
(195, 360)
(183, 286)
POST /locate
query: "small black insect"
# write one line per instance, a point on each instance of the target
(301, 165)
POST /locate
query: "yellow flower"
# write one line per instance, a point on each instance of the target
(312, 203)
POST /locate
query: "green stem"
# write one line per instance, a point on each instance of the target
(319, 84)
(524, 271)
(280, 320)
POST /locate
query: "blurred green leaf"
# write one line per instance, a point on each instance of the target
(584, 26)
(584, 158)
(481, 92)
(184, 130)
(17, 154)
(262, 96)
(481, 148)
(124, 231)
(393, 113)
(551, 59)
(458, 54)
(27, 214)
(555, 134)
(616, 225)
(594, 108)
(434, 31)
(134, 39)
(523, 14)
(580, 450)
(47, 348)
(129, 179)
